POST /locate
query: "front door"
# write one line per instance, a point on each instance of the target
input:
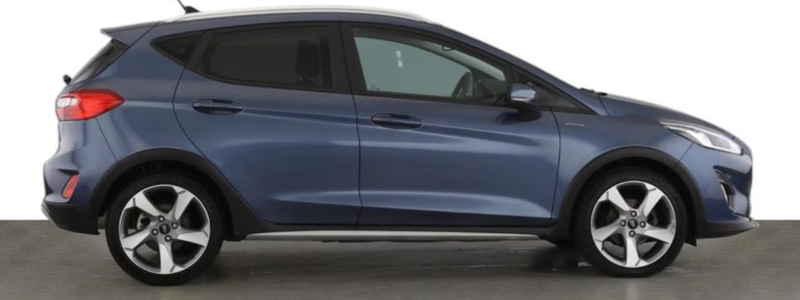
(438, 145)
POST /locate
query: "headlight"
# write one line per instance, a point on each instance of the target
(704, 136)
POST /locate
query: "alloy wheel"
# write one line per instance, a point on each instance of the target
(633, 224)
(164, 229)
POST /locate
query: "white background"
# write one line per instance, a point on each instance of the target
(733, 63)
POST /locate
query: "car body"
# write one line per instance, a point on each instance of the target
(347, 147)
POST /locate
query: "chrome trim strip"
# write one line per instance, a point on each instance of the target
(296, 9)
(386, 236)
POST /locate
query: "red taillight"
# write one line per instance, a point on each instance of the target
(86, 104)
(70, 187)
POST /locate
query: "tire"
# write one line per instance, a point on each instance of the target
(190, 232)
(658, 241)
(566, 243)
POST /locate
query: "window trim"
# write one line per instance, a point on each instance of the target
(358, 82)
(338, 69)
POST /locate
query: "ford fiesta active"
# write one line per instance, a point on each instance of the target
(348, 124)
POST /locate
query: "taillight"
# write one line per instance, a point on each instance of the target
(70, 187)
(86, 104)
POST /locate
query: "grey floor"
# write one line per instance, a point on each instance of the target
(38, 261)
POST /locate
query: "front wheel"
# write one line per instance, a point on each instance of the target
(164, 229)
(632, 224)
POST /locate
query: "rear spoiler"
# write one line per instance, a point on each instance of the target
(129, 34)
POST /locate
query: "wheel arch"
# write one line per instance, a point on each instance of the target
(165, 159)
(649, 158)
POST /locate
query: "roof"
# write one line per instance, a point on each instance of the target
(297, 10)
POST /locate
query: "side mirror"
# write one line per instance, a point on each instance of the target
(523, 99)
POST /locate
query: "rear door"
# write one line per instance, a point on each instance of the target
(270, 107)
(439, 146)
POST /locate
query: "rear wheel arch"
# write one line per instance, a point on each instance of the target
(174, 160)
(643, 157)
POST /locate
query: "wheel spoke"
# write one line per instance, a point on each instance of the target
(665, 235)
(616, 198)
(141, 202)
(603, 233)
(181, 203)
(195, 237)
(631, 252)
(131, 242)
(167, 263)
(654, 195)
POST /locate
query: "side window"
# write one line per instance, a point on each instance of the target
(545, 96)
(179, 48)
(292, 57)
(403, 63)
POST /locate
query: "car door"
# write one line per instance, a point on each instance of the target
(439, 146)
(270, 107)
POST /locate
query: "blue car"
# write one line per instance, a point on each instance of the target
(349, 124)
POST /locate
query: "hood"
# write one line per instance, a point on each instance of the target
(619, 106)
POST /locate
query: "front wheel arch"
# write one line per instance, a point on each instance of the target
(648, 158)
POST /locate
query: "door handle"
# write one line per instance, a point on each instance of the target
(217, 107)
(395, 121)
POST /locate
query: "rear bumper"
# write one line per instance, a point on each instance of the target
(79, 218)
(82, 151)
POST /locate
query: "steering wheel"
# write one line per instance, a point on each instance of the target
(464, 87)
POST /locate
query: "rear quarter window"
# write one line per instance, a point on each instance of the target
(179, 49)
(104, 58)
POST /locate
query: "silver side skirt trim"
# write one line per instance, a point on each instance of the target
(386, 236)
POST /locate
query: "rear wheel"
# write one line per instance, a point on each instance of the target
(164, 229)
(632, 224)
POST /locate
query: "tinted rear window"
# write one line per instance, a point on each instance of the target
(101, 60)
(294, 57)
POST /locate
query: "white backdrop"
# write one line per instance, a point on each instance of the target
(733, 63)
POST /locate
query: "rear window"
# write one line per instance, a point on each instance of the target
(101, 60)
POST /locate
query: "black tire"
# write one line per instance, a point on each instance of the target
(201, 194)
(582, 235)
(562, 243)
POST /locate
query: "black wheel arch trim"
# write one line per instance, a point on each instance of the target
(243, 221)
(563, 222)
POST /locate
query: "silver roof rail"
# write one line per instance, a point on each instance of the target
(297, 10)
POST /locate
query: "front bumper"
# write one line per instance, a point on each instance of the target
(721, 211)
(723, 229)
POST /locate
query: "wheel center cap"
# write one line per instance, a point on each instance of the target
(164, 228)
(633, 224)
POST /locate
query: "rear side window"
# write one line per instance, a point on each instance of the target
(101, 60)
(289, 57)
(179, 48)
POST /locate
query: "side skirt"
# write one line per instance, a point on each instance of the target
(388, 236)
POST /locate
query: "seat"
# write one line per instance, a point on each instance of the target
(308, 63)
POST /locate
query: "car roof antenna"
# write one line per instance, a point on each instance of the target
(188, 9)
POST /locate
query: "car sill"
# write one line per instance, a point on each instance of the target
(386, 236)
